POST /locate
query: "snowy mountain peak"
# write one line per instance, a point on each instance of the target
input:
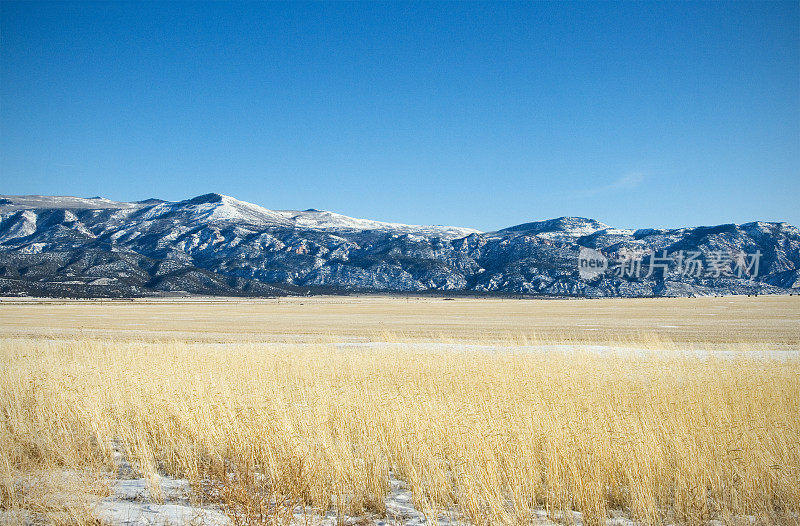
(207, 198)
(324, 220)
(560, 227)
(215, 207)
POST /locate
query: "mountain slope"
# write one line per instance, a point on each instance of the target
(215, 244)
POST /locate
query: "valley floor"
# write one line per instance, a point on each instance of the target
(772, 321)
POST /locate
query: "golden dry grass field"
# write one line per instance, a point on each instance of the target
(332, 410)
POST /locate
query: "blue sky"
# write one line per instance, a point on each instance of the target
(473, 114)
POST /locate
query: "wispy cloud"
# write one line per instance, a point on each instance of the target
(626, 182)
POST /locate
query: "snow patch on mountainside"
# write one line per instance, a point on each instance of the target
(559, 228)
(20, 224)
(323, 220)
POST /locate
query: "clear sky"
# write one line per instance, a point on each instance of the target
(473, 114)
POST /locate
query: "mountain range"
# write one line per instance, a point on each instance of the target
(216, 245)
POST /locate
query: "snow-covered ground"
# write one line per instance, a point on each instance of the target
(642, 352)
(130, 503)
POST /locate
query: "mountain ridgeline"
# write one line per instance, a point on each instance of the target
(217, 245)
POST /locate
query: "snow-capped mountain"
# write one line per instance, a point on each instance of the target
(215, 244)
(217, 208)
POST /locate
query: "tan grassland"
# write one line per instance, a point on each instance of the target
(770, 320)
(258, 407)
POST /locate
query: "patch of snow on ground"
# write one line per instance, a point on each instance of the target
(760, 354)
(130, 502)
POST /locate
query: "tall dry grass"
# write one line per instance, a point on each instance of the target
(494, 436)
